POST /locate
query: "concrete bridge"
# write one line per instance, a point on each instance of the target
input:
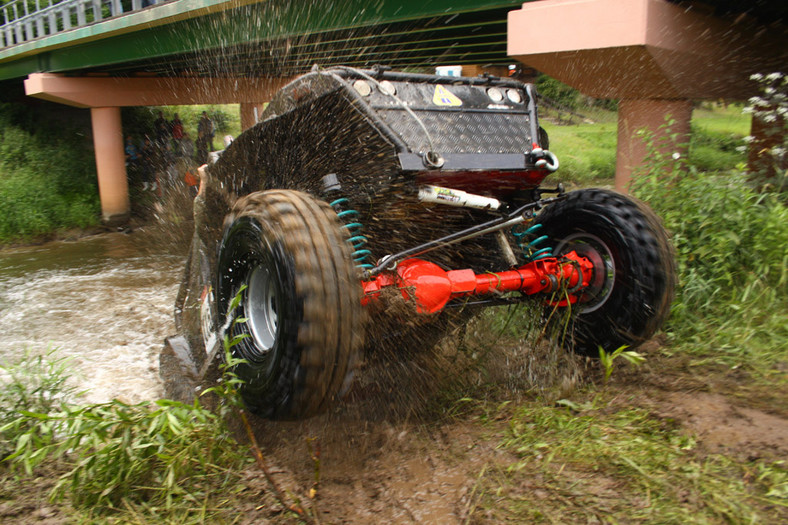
(654, 55)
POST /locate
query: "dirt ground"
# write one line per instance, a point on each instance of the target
(383, 464)
(406, 472)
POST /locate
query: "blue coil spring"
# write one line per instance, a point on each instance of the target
(357, 240)
(529, 243)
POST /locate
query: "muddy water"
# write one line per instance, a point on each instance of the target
(106, 301)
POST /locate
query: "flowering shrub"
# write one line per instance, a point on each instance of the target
(768, 151)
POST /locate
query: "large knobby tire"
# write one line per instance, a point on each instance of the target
(302, 302)
(632, 289)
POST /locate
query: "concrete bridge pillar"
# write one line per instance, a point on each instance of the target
(652, 55)
(110, 164)
(653, 116)
(106, 95)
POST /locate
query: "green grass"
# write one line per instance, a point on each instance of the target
(724, 119)
(587, 151)
(717, 134)
(620, 465)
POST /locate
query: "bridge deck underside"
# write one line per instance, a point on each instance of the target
(471, 38)
(282, 39)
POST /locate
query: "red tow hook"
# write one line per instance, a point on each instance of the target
(431, 287)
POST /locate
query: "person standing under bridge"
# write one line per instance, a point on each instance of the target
(204, 138)
(176, 127)
(162, 129)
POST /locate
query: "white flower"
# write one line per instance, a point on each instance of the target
(676, 155)
(773, 76)
(756, 76)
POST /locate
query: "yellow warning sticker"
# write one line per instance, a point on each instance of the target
(444, 97)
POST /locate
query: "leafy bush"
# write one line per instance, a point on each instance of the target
(732, 250)
(163, 454)
(173, 461)
(38, 384)
(557, 91)
(150, 452)
(47, 175)
(770, 109)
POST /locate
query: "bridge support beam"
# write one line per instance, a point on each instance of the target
(110, 164)
(651, 115)
(106, 95)
(653, 55)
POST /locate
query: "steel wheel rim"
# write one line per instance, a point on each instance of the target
(597, 251)
(262, 307)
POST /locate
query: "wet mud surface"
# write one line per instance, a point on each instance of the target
(723, 426)
(383, 466)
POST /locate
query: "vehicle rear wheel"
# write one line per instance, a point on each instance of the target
(630, 294)
(301, 305)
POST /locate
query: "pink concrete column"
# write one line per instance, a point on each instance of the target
(110, 163)
(650, 114)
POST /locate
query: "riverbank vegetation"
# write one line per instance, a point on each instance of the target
(695, 434)
(47, 174)
(48, 182)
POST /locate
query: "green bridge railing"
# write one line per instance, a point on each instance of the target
(25, 20)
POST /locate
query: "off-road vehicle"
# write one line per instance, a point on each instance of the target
(362, 197)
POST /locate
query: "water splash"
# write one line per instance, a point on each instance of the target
(106, 301)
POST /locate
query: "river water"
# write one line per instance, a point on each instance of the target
(105, 301)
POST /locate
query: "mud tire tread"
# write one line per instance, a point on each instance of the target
(644, 263)
(317, 364)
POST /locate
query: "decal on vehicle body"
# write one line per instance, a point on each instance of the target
(444, 97)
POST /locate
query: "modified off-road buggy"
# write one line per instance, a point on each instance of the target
(359, 191)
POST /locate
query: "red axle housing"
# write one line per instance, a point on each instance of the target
(431, 287)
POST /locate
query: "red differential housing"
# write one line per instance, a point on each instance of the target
(430, 287)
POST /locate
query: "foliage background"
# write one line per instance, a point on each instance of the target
(47, 173)
(47, 169)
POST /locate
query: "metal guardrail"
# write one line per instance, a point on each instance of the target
(25, 20)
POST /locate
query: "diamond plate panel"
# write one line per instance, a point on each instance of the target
(463, 131)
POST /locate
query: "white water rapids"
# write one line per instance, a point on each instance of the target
(105, 301)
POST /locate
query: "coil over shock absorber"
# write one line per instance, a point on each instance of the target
(333, 192)
(529, 242)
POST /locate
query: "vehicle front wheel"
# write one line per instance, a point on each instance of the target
(630, 294)
(300, 312)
